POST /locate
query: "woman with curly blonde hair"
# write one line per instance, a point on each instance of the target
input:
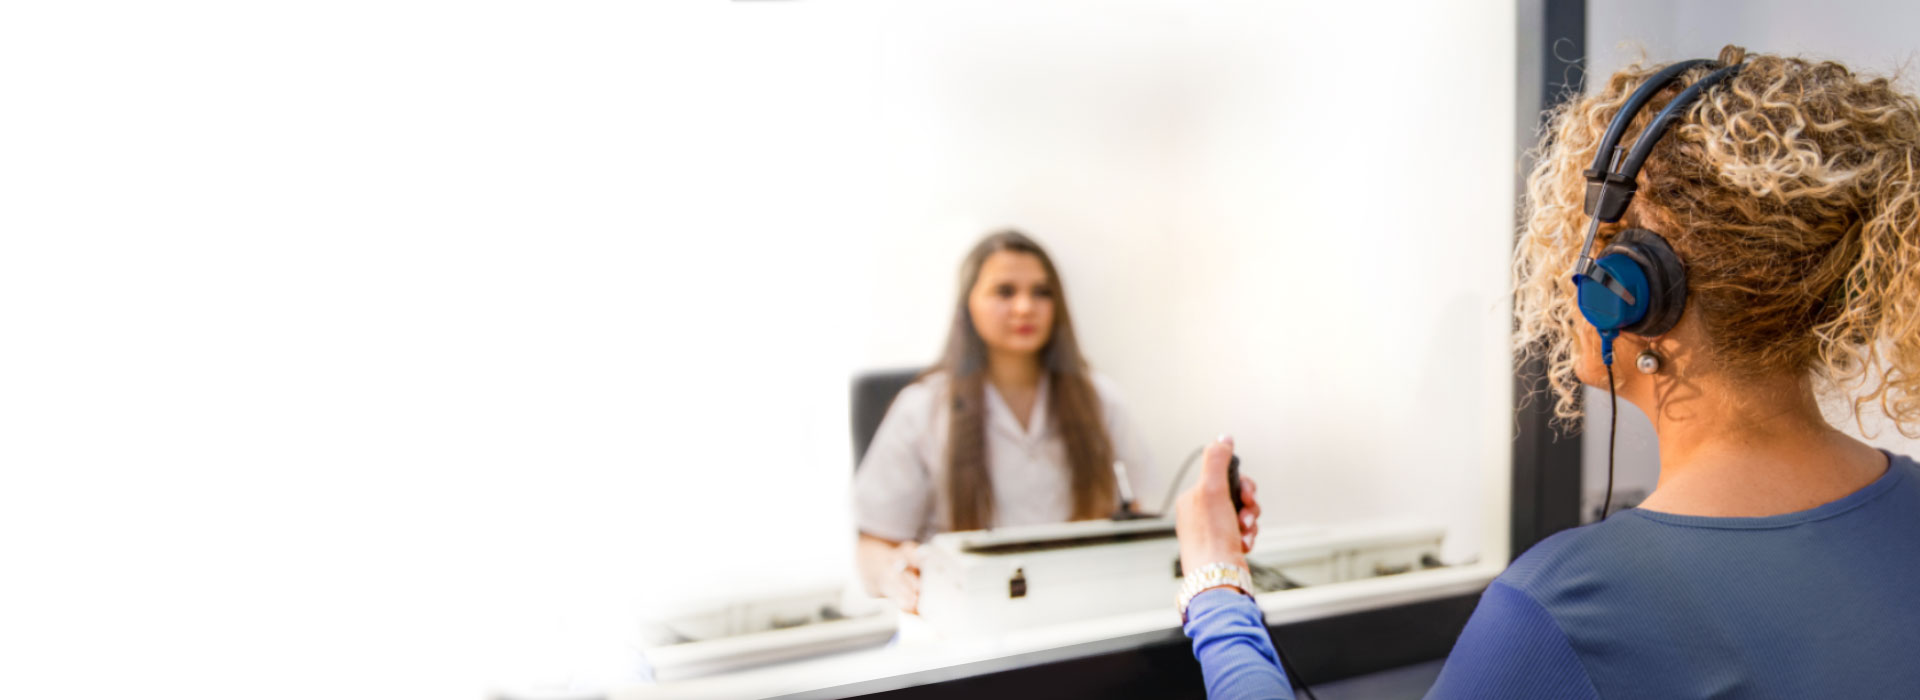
(1774, 227)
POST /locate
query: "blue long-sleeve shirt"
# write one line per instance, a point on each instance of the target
(1819, 603)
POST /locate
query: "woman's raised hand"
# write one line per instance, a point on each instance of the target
(1209, 530)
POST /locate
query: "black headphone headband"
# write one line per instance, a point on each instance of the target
(1636, 102)
(1610, 189)
(1611, 183)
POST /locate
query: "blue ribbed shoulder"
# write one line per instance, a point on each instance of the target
(1814, 603)
(1582, 562)
(1634, 545)
(1546, 554)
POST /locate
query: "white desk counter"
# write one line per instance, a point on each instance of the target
(914, 663)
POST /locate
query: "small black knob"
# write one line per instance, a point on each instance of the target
(1233, 483)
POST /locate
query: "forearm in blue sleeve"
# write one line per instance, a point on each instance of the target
(1512, 649)
(1230, 640)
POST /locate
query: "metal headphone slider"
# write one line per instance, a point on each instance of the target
(1607, 198)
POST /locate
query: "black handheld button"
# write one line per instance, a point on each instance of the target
(1233, 482)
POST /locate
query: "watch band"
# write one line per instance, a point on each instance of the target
(1212, 576)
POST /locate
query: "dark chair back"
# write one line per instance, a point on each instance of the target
(873, 392)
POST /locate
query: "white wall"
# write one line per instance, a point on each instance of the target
(380, 348)
(1870, 36)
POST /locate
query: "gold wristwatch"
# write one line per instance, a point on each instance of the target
(1212, 576)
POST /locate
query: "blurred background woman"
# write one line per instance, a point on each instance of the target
(1010, 427)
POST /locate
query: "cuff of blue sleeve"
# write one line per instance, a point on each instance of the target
(1206, 604)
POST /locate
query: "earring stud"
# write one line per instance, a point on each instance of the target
(1648, 362)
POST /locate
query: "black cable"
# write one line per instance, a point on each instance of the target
(1285, 665)
(1173, 488)
(1295, 675)
(1613, 422)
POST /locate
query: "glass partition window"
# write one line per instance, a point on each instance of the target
(1289, 224)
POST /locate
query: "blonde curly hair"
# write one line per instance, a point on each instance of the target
(1792, 193)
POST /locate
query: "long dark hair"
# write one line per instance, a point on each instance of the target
(1073, 405)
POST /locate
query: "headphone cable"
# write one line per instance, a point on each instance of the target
(1613, 422)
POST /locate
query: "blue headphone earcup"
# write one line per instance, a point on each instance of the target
(1606, 310)
(1646, 265)
(1666, 279)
